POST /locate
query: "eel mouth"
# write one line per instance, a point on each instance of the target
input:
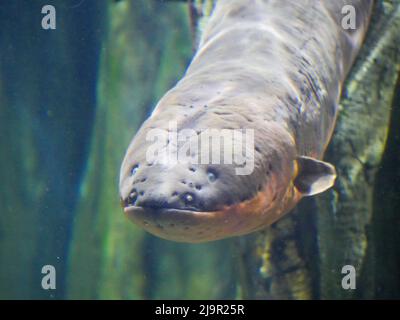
(180, 225)
(186, 225)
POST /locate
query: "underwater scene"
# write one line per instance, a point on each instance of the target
(199, 149)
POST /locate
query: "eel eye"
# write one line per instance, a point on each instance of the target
(211, 175)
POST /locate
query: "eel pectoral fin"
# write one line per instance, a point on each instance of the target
(314, 176)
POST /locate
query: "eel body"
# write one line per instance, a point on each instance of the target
(270, 68)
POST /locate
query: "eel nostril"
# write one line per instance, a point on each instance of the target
(134, 169)
(132, 197)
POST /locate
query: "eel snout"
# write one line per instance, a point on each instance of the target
(190, 203)
(196, 203)
(179, 187)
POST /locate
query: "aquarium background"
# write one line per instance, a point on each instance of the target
(71, 100)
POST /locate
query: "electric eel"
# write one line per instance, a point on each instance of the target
(273, 68)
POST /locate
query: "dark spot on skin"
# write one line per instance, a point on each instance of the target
(143, 180)
(150, 164)
(259, 187)
(191, 185)
(198, 187)
(141, 193)
(183, 181)
(174, 194)
(191, 107)
(134, 169)
(257, 149)
(205, 106)
(192, 169)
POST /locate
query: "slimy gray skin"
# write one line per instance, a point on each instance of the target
(273, 66)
